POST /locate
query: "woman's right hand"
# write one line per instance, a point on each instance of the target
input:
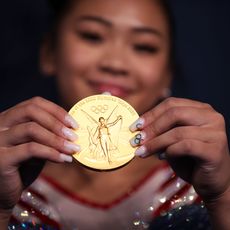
(30, 133)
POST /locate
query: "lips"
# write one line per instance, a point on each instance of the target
(115, 89)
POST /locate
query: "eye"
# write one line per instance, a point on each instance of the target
(91, 37)
(146, 48)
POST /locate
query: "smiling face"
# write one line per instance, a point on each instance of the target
(117, 46)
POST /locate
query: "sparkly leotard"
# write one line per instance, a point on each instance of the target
(46, 201)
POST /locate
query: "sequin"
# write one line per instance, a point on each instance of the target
(136, 222)
(151, 208)
(163, 200)
(30, 226)
(188, 217)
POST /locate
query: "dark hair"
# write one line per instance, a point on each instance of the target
(171, 28)
(57, 5)
(58, 8)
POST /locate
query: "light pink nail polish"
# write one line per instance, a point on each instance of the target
(69, 134)
(141, 151)
(71, 147)
(71, 121)
(107, 93)
(137, 125)
(66, 158)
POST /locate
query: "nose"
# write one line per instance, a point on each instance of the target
(114, 61)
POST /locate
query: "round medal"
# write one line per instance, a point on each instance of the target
(104, 131)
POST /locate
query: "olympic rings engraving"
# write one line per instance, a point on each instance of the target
(99, 109)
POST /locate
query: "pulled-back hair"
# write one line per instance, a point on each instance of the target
(59, 8)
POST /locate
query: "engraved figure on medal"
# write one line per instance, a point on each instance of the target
(104, 134)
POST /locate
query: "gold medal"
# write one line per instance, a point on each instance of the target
(104, 131)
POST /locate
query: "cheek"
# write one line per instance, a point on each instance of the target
(74, 56)
(152, 73)
(74, 60)
(73, 63)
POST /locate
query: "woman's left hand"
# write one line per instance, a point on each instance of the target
(192, 137)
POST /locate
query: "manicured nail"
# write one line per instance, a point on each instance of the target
(107, 93)
(71, 147)
(138, 124)
(66, 158)
(71, 121)
(136, 140)
(141, 152)
(162, 156)
(70, 134)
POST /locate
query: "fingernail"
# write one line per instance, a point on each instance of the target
(107, 93)
(136, 140)
(141, 152)
(138, 124)
(66, 158)
(69, 146)
(71, 121)
(162, 156)
(68, 133)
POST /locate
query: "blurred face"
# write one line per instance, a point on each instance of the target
(121, 47)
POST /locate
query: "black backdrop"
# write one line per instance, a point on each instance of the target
(202, 50)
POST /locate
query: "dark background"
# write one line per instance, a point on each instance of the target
(202, 51)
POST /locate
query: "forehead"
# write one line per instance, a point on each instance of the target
(123, 12)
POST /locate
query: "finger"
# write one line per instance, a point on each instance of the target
(193, 148)
(32, 112)
(53, 109)
(20, 153)
(32, 131)
(167, 104)
(162, 142)
(176, 134)
(181, 116)
(24, 110)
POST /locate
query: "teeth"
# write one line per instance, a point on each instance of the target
(107, 93)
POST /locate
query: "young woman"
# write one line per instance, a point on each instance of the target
(122, 47)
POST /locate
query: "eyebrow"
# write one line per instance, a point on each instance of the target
(138, 30)
(147, 30)
(95, 19)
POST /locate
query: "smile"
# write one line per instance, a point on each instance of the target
(115, 89)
